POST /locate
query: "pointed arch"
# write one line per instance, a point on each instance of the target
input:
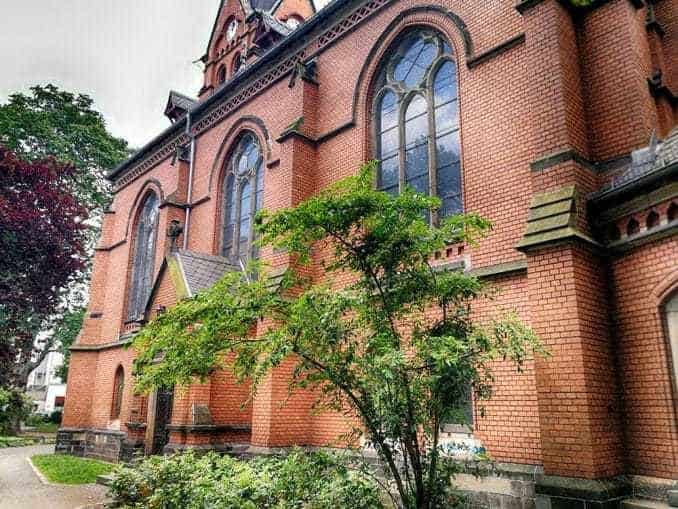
(241, 197)
(118, 391)
(417, 84)
(143, 255)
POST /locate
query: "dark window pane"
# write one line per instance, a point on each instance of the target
(445, 84)
(449, 189)
(447, 117)
(144, 257)
(260, 188)
(229, 214)
(388, 111)
(389, 173)
(245, 205)
(416, 59)
(447, 149)
(416, 122)
(416, 168)
(389, 143)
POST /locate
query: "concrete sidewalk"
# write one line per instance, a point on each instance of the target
(21, 488)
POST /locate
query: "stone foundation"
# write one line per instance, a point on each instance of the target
(104, 445)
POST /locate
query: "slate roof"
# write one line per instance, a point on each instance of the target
(654, 160)
(202, 271)
(264, 5)
(179, 101)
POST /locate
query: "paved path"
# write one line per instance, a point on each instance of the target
(20, 488)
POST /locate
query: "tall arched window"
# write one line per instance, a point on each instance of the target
(118, 386)
(243, 196)
(417, 120)
(144, 257)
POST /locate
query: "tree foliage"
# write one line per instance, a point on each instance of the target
(50, 122)
(397, 345)
(66, 332)
(309, 480)
(43, 241)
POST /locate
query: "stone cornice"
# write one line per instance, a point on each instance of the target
(98, 348)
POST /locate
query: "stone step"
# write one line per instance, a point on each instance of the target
(637, 503)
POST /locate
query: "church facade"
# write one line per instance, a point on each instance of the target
(555, 122)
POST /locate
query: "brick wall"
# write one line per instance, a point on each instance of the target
(642, 279)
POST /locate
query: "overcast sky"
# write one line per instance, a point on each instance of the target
(126, 54)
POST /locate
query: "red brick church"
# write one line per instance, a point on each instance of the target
(557, 123)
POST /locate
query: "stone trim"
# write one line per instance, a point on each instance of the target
(499, 269)
(97, 348)
(564, 156)
(629, 243)
(208, 428)
(552, 219)
(111, 247)
(525, 5)
(643, 202)
(511, 43)
(580, 490)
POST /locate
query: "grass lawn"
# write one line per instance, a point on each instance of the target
(47, 427)
(69, 469)
(17, 441)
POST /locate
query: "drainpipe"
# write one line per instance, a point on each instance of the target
(191, 168)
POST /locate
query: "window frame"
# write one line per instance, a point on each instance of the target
(251, 177)
(118, 392)
(404, 96)
(135, 308)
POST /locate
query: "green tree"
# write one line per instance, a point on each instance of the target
(397, 346)
(50, 122)
(65, 334)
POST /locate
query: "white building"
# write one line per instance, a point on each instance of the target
(45, 388)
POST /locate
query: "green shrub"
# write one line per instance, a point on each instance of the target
(299, 480)
(14, 407)
(55, 417)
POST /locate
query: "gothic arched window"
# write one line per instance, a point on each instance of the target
(417, 120)
(118, 386)
(243, 196)
(144, 257)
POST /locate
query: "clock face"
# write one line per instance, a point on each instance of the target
(232, 29)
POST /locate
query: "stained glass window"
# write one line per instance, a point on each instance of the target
(243, 198)
(144, 257)
(417, 119)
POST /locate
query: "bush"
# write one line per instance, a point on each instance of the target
(14, 407)
(55, 417)
(299, 480)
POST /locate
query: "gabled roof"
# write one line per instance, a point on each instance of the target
(202, 271)
(249, 7)
(191, 273)
(178, 105)
(656, 161)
